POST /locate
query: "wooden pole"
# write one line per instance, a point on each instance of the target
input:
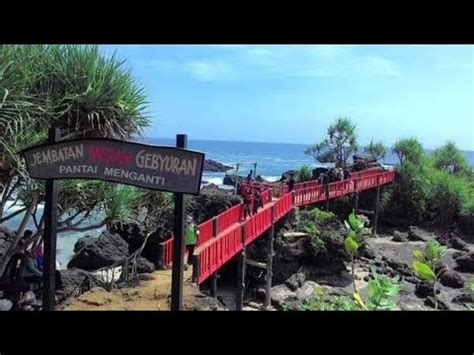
(271, 237)
(326, 188)
(376, 216)
(239, 300)
(178, 247)
(254, 171)
(356, 201)
(236, 177)
(50, 235)
(214, 284)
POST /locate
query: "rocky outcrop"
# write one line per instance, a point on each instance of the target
(286, 175)
(399, 236)
(210, 202)
(418, 234)
(106, 250)
(230, 179)
(466, 262)
(453, 241)
(215, 167)
(73, 278)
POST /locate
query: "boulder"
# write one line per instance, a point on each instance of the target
(72, 278)
(316, 172)
(451, 278)
(106, 250)
(463, 299)
(424, 289)
(304, 292)
(430, 302)
(82, 242)
(230, 179)
(416, 234)
(453, 241)
(399, 236)
(215, 167)
(280, 294)
(144, 266)
(286, 175)
(466, 262)
(295, 281)
(211, 202)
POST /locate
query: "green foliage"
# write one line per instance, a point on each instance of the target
(408, 150)
(121, 202)
(340, 143)
(304, 174)
(449, 155)
(424, 263)
(424, 271)
(321, 301)
(382, 292)
(357, 233)
(376, 150)
(432, 254)
(319, 225)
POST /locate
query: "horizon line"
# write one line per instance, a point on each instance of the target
(260, 142)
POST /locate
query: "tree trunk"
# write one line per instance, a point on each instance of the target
(12, 248)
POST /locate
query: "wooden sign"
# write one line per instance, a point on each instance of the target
(152, 167)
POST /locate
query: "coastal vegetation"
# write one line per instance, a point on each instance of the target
(81, 92)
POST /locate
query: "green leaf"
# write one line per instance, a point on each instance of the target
(424, 271)
(417, 254)
(350, 245)
(347, 225)
(354, 222)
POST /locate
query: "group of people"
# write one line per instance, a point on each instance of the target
(252, 200)
(334, 174)
(26, 266)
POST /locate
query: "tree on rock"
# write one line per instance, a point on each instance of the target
(450, 158)
(340, 143)
(376, 150)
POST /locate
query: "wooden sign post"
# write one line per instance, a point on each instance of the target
(173, 169)
(178, 245)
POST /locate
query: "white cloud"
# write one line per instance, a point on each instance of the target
(243, 62)
(207, 70)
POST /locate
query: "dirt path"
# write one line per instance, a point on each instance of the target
(152, 294)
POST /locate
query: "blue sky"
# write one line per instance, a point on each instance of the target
(292, 93)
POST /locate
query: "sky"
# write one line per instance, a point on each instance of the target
(291, 93)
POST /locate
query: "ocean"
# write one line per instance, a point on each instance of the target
(272, 160)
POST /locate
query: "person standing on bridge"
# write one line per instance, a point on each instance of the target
(191, 236)
(250, 177)
(247, 202)
(291, 182)
(257, 202)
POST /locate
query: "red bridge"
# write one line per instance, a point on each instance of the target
(223, 236)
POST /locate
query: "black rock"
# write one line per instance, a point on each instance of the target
(104, 251)
(384, 258)
(295, 281)
(463, 299)
(424, 289)
(366, 278)
(399, 236)
(466, 262)
(430, 302)
(82, 242)
(230, 179)
(417, 234)
(144, 266)
(451, 278)
(396, 265)
(216, 167)
(286, 175)
(411, 279)
(368, 253)
(73, 278)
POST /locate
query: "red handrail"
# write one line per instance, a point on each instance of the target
(214, 251)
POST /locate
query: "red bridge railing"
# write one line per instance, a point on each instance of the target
(215, 250)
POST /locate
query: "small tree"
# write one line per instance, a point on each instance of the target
(425, 264)
(408, 149)
(450, 156)
(338, 146)
(376, 150)
(356, 237)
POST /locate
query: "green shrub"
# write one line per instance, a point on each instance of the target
(320, 301)
(319, 225)
(304, 174)
(382, 292)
